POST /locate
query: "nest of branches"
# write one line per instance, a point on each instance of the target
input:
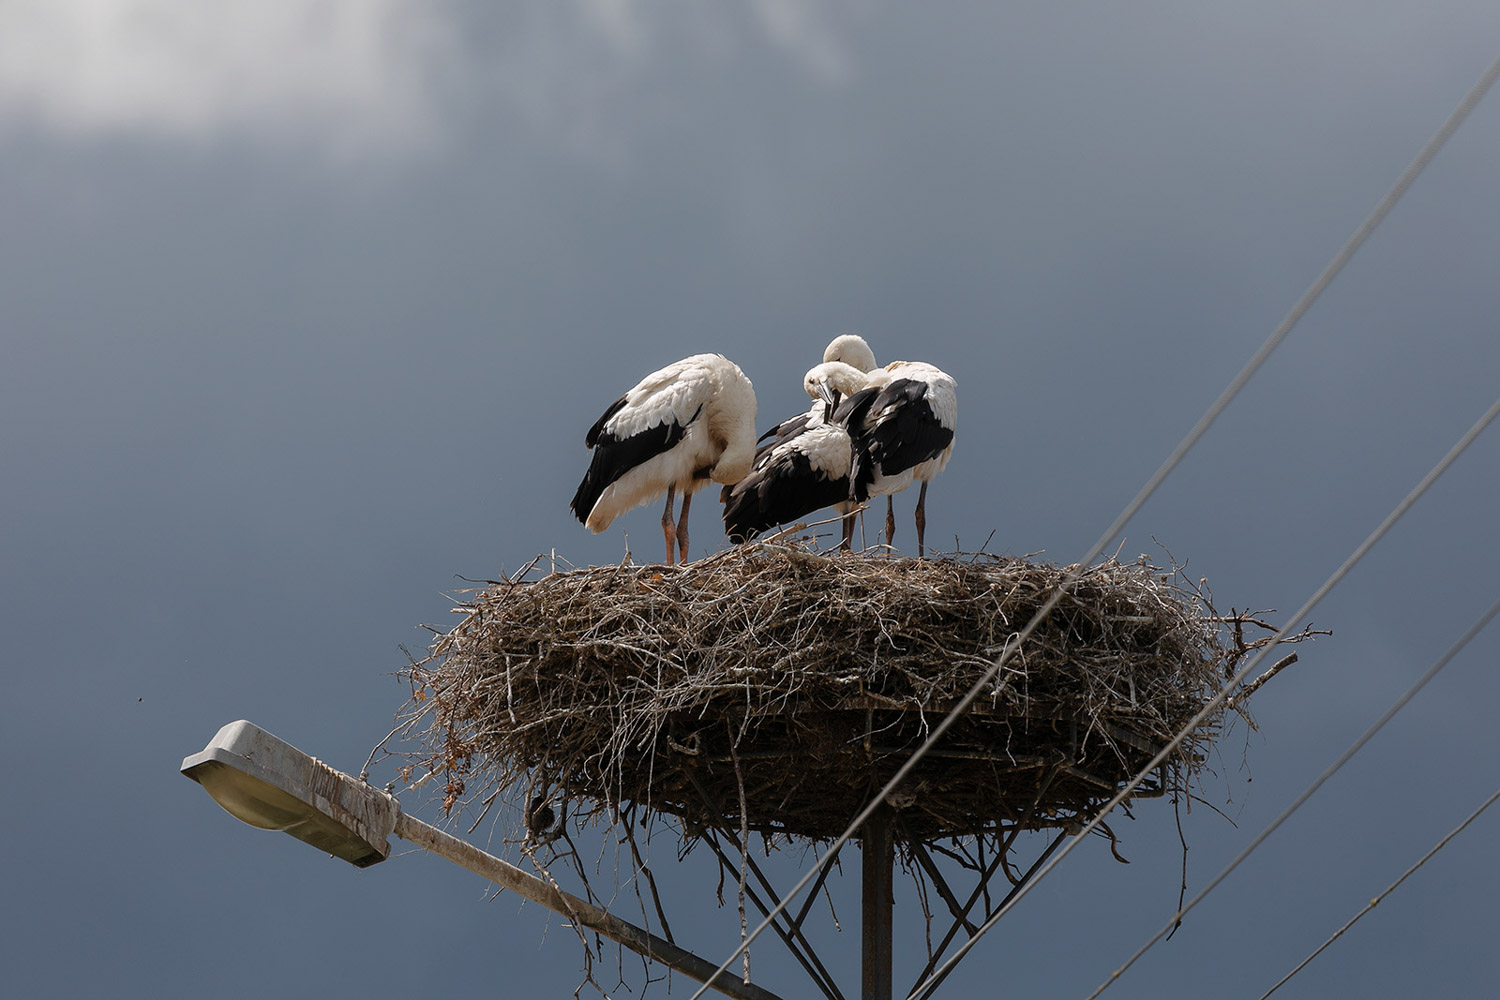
(776, 689)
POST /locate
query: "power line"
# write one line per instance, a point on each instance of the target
(1395, 515)
(1388, 890)
(1333, 768)
(1298, 310)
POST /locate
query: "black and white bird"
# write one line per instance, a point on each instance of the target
(802, 464)
(681, 426)
(902, 427)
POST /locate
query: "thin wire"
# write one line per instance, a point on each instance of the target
(1332, 769)
(1388, 890)
(1233, 682)
(1173, 460)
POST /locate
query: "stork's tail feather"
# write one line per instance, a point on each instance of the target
(742, 514)
(586, 496)
(614, 457)
(596, 480)
(861, 474)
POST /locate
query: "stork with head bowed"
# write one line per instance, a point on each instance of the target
(681, 426)
(802, 464)
(902, 427)
(851, 349)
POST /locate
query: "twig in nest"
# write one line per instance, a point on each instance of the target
(1181, 892)
(588, 951)
(1114, 843)
(1255, 685)
(645, 869)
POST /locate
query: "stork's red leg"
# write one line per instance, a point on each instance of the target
(666, 520)
(848, 541)
(682, 532)
(921, 518)
(890, 521)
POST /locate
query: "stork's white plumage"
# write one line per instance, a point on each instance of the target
(902, 427)
(852, 350)
(802, 464)
(681, 426)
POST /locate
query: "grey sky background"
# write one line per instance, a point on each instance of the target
(305, 307)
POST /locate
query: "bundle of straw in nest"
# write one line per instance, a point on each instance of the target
(774, 688)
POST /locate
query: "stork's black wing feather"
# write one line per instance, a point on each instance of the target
(778, 492)
(613, 457)
(911, 434)
(851, 415)
(592, 437)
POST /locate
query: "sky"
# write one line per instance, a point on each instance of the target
(305, 309)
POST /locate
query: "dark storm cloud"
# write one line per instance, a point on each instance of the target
(297, 331)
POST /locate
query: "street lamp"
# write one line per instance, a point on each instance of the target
(268, 783)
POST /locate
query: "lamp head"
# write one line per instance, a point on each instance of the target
(270, 784)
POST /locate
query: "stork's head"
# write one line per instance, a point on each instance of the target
(832, 380)
(852, 350)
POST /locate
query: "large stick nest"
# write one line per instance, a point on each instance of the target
(776, 689)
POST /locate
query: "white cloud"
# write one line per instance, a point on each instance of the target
(345, 77)
(342, 74)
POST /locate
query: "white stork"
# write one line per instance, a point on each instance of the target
(803, 464)
(690, 422)
(902, 426)
(852, 350)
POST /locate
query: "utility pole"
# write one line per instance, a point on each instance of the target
(878, 862)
